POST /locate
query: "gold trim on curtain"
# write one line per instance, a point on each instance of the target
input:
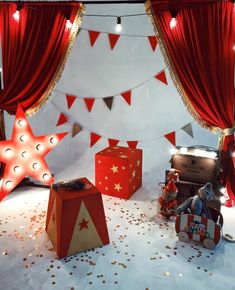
(173, 74)
(46, 96)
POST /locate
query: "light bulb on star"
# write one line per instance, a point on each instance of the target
(24, 155)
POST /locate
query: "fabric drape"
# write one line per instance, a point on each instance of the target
(199, 53)
(34, 49)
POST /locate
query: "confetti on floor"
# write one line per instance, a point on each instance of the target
(144, 252)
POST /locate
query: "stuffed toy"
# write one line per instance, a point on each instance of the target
(75, 184)
(196, 204)
(167, 201)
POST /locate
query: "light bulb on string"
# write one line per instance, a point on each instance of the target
(69, 24)
(118, 27)
(173, 151)
(16, 15)
(173, 21)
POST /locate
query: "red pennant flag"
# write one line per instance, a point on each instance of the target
(153, 42)
(127, 97)
(113, 142)
(62, 119)
(93, 35)
(132, 144)
(94, 138)
(113, 38)
(171, 137)
(70, 100)
(89, 103)
(161, 77)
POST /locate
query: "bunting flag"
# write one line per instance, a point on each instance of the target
(70, 100)
(94, 138)
(188, 129)
(93, 35)
(62, 119)
(127, 97)
(153, 42)
(171, 137)
(76, 129)
(113, 38)
(161, 77)
(113, 142)
(89, 103)
(108, 102)
(132, 144)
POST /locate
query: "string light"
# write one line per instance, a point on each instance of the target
(118, 27)
(173, 151)
(16, 15)
(173, 21)
(183, 150)
(68, 23)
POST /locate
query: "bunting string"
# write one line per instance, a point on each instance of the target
(108, 100)
(121, 34)
(95, 137)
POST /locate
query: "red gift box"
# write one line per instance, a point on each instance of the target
(76, 220)
(118, 171)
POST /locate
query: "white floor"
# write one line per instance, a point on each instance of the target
(143, 253)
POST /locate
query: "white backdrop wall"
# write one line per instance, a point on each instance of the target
(98, 71)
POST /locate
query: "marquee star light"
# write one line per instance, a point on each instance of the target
(24, 155)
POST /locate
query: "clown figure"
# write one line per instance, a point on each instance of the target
(167, 201)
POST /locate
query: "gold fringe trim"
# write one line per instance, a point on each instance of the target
(46, 96)
(223, 133)
(173, 74)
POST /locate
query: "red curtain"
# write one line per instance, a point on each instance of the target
(34, 49)
(200, 55)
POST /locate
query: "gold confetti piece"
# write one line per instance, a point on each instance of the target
(92, 263)
(123, 265)
(166, 274)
